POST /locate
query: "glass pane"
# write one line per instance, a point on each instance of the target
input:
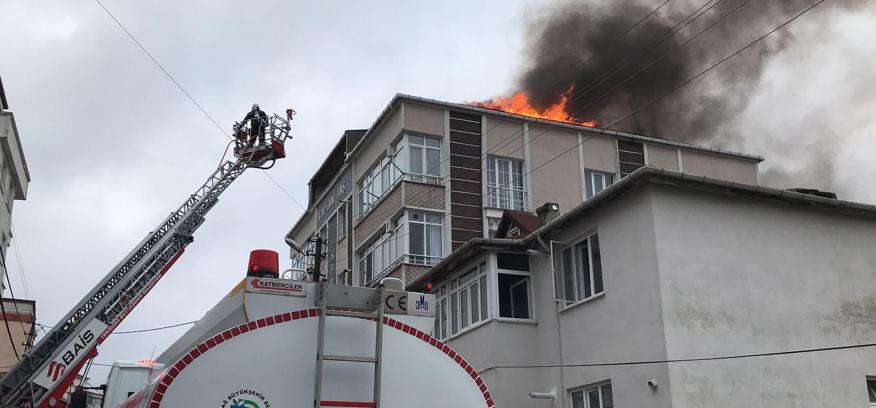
(597, 264)
(417, 140)
(463, 308)
(416, 160)
(454, 314)
(433, 218)
(433, 142)
(443, 318)
(607, 398)
(598, 183)
(520, 299)
(578, 399)
(475, 303)
(568, 272)
(593, 399)
(588, 177)
(433, 241)
(417, 239)
(468, 276)
(484, 309)
(433, 162)
(583, 269)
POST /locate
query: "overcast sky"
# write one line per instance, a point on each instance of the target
(113, 146)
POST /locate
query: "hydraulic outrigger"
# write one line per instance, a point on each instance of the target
(46, 371)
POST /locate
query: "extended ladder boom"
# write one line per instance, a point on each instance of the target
(48, 368)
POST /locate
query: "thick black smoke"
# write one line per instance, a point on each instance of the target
(615, 66)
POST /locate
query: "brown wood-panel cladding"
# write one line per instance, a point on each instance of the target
(466, 202)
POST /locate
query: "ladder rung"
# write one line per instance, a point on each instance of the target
(356, 404)
(350, 313)
(354, 359)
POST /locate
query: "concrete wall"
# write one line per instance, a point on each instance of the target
(624, 324)
(662, 157)
(374, 147)
(741, 276)
(559, 181)
(504, 138)
(423, 119)
(600, 152)
(719, 167)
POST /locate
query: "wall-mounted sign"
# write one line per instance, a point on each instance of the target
(411, 303)
(275, 286)
(326, 207)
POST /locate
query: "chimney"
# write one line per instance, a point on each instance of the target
(547, 213)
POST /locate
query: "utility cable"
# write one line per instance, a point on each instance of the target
(18, 260)
(187, 94)
(139, 330)
(694, 359)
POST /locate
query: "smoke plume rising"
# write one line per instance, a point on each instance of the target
(616, 64)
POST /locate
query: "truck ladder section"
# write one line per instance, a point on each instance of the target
(62, 351)
(370, 309)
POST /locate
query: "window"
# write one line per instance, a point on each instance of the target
(424, 238)
(342, 221)
(420, 157)
(596, 181)
(514, 286)
(577, 269)
(377, 183)
(505, 187)
(593, 397)
(630, 156)
(871, 390)
(379, 257)
(463, 303)
(514, 296)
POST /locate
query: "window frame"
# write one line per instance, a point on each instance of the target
(494, 189)
(587, 389)
(560, 275)
(496, 271)
(871, 390)
(404, 154)
(425, 258)
(449, 294)
(590, 182)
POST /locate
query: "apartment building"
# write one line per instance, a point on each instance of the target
(20, 317)
(670, 290)
(14, 176)
(429, 176)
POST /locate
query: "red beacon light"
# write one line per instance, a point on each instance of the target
(263, 263)
(427, 287)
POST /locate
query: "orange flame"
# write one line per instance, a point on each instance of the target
(519, 104)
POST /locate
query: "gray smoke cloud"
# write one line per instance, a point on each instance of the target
(615, 64)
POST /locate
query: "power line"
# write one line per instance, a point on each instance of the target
(688, 360)
(676, 88)
(187, 94)
(18, 260)
(44, 326)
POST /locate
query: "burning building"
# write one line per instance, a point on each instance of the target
(595, 267)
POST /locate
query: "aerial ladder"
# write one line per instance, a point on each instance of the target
(47, 370)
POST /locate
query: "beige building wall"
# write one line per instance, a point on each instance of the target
(559, 181)
(424, 119)
(719, 166)
(306, 227)
(20, 315)
(505, 133)
(600, 152)
(662, 157)
(375, 145)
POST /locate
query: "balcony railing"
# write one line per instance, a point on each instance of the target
(506, 198)
(410, 259)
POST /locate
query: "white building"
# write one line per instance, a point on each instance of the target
(608, 304)
(14, 176)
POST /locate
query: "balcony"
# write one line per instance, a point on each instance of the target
(407, 192)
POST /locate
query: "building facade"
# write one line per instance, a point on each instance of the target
(14, 176)
(670, 290)
(19, 318)
(428, 176)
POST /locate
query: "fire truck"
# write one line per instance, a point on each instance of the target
(271, 341)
